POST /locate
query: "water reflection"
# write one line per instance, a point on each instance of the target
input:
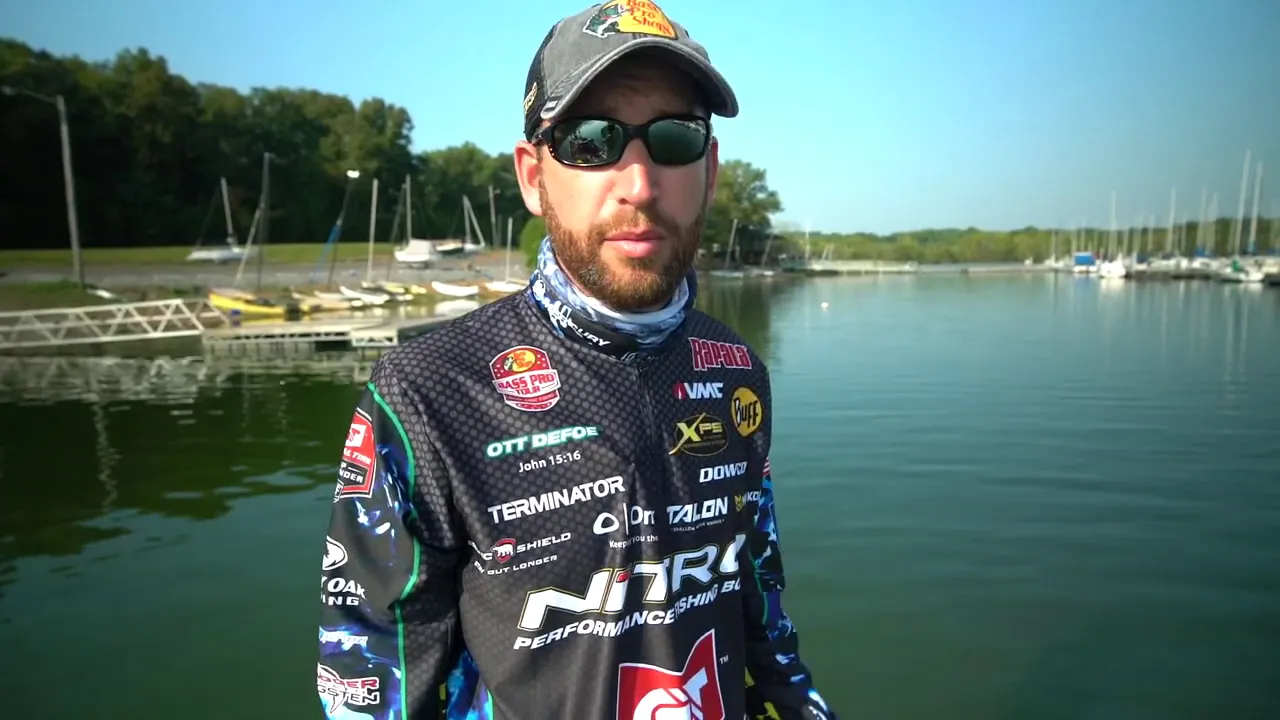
(92, 443)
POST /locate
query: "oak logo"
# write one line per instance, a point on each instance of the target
(701, 436)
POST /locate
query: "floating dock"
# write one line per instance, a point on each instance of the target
(317, 334)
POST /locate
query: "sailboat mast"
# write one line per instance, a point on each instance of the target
(1237, 231)
(373, 226)
(1253, 226)
(408, 207)
(226, 212)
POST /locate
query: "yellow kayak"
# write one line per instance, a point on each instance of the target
(242, 303)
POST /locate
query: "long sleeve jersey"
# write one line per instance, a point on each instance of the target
(525, 528)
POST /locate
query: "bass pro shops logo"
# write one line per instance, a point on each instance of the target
(646, 692)
(629, 16)
(523, 376)
(359, 460)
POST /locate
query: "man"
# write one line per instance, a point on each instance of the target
(559, 506)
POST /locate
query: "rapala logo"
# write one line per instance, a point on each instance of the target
(722, 472)
(698, 391)
(712, 569)
(710, 354)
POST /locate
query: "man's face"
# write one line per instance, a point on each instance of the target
(626, 233)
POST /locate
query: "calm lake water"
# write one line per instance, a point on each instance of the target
(1000, 497)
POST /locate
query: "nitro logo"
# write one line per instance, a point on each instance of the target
(747, 411)
(338, 692)
(702, 514)
(722, 472)
(698, 391)
(709, 354)
(710, 569)
(524, 507)
(646, 692)
(511, 446)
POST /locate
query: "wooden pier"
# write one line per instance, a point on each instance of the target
(317, 334)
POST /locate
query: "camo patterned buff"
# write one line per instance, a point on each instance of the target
(629, 336)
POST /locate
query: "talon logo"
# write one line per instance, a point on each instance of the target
(701, 435)
(629, 16)
(524, 377)
(748, 413)
(359, 459)
(646, 692)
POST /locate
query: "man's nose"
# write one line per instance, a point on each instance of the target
(635, 182)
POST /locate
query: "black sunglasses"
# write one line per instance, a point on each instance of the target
(599, 141)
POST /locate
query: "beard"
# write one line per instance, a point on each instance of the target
(641, 283)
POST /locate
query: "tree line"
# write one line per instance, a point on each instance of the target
(149, 148)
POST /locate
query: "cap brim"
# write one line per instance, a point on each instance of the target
(715, 88)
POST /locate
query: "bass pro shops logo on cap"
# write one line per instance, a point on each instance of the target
(524, 377)
(629, 16)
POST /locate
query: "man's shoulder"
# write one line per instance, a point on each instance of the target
(705, 328)
(456, 345)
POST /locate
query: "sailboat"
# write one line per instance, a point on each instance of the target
(233, 250)
(465, 246)
(505, 286)
(728, 257)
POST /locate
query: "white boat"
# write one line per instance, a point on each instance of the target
(233, 251)
(417, 252)
(369, 298)
(727, 274)
(503, 286)
(454, 290)
(1112, 270)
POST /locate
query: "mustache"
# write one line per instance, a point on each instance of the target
(639, 219)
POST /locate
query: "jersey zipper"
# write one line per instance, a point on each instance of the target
(647, 403)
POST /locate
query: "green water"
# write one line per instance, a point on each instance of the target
(1000, 497)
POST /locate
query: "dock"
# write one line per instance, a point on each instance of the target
(303, 337)
(848, 267)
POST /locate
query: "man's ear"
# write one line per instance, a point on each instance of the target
(528, 172)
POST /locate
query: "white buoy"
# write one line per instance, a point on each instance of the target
(825, 305)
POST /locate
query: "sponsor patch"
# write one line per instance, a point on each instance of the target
(551, 438)
(335, 555)
(722, 472)
(698, 391)
(648, 692)
(533, 505)
(748, 413)
(359, 460)
(339, 692)
(701, 435)
(629, 16)
(524, 377)
(712, 354)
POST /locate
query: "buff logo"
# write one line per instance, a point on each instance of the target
(712, 354)
(516, 445)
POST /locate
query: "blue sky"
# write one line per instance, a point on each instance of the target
(875, 115)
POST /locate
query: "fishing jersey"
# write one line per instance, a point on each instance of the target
(526, 528)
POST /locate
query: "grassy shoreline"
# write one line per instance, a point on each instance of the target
(293, 253)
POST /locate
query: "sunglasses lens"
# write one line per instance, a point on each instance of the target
(588, 142)
(677, 142)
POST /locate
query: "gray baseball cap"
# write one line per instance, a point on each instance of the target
(580, 47)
